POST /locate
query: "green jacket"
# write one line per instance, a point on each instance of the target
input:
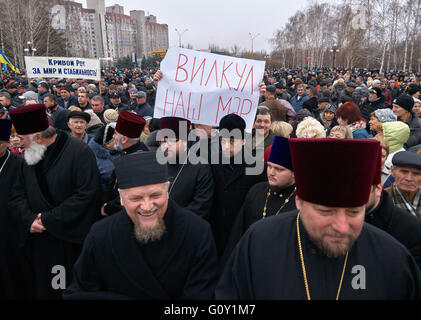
(396, 133)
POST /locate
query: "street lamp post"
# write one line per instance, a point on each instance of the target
(252, 39)
(334, 50)
(30, 49)
(179, 36)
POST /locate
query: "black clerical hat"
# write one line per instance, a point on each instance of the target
(139, 169)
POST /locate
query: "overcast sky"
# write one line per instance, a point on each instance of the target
(222, 22)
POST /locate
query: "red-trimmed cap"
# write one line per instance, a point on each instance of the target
(334, 172)
(174, 124)
(130, 124)
(65, 88)
(29, 119)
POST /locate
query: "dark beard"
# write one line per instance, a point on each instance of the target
(333, 252)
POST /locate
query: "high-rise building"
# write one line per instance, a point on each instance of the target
(100, 26)
(150, 35)
(106, 32)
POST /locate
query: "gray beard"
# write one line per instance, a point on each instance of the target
(145, 235)
(118, 146)
(34, 153)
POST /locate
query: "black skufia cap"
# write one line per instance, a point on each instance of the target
(139, 169)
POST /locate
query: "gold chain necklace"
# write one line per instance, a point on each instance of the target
(282, 206)
(303, 267)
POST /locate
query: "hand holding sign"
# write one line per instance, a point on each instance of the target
(204, 87)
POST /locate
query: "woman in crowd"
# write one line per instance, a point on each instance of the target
(340, 132)
(377, 118)
(349, 115)
(328, 118)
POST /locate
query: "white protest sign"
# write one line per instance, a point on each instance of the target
(58, 67)
(204, 87)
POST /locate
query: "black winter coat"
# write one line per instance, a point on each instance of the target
(113, 265)
(368, 107)
(400, 224)
(65, 190)
(231, 187)
(193, 189)
(415, 131)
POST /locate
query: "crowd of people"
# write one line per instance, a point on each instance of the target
(83, 188)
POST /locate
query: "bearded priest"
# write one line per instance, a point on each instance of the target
(324, 251)
(54, 202)
(152, 249)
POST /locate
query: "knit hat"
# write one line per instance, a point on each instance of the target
(377, 91)
(413, 90)
(404, 101)
(385, 115)
(330, 108)
(231, 122)
(110, 115)
(29, 95)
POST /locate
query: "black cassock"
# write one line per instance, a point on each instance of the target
(266, 265)
(252, 210)
(193, 189)
(113, 265)
(231, 186)
(11, 275)
(65, 188)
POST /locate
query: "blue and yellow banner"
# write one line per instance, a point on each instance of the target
(6, 61)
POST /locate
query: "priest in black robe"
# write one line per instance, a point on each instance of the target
(231, 178)
(152, 249)
(126, 137)
(191, 184)
(11, 273)
(325, 250)
(269, 198)
(55, 200)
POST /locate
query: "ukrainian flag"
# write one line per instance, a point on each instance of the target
(4, 60)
